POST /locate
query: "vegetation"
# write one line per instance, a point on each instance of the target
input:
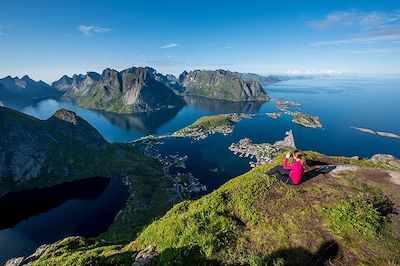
(212, 121)
(254, 219)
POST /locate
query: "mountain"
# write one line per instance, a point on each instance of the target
(41, 153)
(221, 84)
(25, 88)
(343, 214)
(35, 153)
(256, 77)
(131, 90)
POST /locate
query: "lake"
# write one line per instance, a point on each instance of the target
(340, 102)
(34, 217)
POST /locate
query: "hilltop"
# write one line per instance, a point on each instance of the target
(343, 214)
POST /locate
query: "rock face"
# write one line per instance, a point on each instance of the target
(221, 84)
(30, 148)
(131, 90)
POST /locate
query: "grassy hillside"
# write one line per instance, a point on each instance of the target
(212, 121)
(347, 218)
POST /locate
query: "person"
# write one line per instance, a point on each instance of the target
(290, 173)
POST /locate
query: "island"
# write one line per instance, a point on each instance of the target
(274, 115)
(283, 105)
(305, 120)
(264, 152)
(380, 133)
(206, 125)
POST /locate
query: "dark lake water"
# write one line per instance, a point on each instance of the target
(340, 103)
(34, 217)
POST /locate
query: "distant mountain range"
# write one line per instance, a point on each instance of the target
(141, 89)
(25, 88)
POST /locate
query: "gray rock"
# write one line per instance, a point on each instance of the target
(15, 262)
(387, 159)
(146, 257)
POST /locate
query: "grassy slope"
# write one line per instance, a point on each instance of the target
(212, 121)
(256, 220)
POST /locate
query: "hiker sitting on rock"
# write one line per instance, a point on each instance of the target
(290, 173)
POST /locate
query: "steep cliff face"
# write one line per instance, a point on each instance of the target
(131, 90)
(221, 84)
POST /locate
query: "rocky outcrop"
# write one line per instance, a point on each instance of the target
(146, 257)
(131, 90)
(221, 84)
(386, 159)
(20, 261)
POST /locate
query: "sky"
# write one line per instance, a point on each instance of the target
(49, 38)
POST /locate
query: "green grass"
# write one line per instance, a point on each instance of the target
(358, 213)
(255, 220)
(212, 121)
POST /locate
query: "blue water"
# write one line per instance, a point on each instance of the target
(41, 216)
(340, 103)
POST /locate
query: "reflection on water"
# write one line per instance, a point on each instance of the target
(145, 123)
(221, 106)
(39, 216)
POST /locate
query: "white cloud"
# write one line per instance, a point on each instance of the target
(354, 18)
(330, 72)
(228, 47)
(3, 27)
(87, 30)
(169, 45)
(372, 27)
(371, 51)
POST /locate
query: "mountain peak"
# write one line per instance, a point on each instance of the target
(66, 115)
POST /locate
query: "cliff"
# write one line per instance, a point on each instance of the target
(131, 90)
(221, 84)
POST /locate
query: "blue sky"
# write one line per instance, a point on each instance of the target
(49, 38)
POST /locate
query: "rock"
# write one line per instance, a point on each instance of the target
(20, 261)
(15, 262)
(387, 159)
(355, 158)
(146, 257)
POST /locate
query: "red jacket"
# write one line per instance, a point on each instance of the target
(296, 170)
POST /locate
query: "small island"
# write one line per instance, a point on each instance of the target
(305, 120)
(206, 125)
(283, 105)
(274, 115)
(380, 133)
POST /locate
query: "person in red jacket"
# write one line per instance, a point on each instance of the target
(290, 173)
